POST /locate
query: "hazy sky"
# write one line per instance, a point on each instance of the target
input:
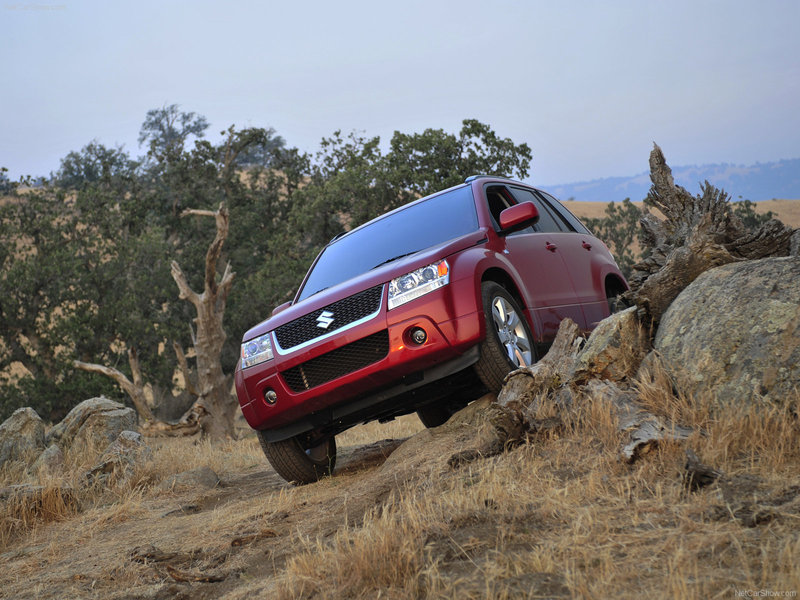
(588, 85)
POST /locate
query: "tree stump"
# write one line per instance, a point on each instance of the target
(697, 234)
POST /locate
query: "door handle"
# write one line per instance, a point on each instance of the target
(586, 245)
(551, 247)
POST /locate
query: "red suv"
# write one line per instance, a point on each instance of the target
(422, 309)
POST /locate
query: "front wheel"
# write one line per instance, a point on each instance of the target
(434, 415)
(509, 342)
(297, 464)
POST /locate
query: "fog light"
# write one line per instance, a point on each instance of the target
(418, 335)
(270, 396)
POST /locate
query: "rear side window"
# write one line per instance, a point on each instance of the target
(573, 221)
(548, 222)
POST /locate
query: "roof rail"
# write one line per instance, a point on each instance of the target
(474, 177)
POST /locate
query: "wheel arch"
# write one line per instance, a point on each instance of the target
(501, 277)
(614, 285)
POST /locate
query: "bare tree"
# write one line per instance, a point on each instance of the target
(215, 408)
(213, 386)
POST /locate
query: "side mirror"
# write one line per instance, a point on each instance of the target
(281, 307)
(518, 217)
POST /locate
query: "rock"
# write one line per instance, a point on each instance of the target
(614, 349)
(120, 458)
(733, 335)
(202, 478)
(489, 427)
(794, 243)
(102, 428)
(50, 461)
(93, 423)
(21, 436)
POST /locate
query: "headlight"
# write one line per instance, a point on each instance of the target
(418, 283)
(256, 351)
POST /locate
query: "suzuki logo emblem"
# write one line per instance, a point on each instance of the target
(325, 319)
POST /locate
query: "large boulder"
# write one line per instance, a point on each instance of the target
(92, 424)
(733, 335)
(21, 436)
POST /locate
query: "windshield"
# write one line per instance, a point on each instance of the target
(429, 223)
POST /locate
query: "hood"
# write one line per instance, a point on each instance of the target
(377, 276)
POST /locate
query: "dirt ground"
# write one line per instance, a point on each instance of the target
(560, 516)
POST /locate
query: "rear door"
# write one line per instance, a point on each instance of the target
(579, 249)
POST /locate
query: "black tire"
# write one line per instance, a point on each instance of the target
(434, 415)
(509, 342)
(297, 464)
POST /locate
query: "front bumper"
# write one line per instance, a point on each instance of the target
(449, 316)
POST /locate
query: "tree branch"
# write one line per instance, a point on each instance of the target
(186, 292)
(136, 393)
(214, 249)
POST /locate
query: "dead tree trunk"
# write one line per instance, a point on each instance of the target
(699, 233)
(214, 397)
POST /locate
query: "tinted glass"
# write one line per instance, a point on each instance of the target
(567, 216)
(498, 199)
(420, 226)
(546, 223)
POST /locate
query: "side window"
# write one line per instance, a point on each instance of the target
(498, 199)
(547, 221)
(574, 222)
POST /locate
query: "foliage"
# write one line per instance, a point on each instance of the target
(86, 257)
(262, 153)
(426, 162)
(746, 211)
(6, 185)
(94, 163)
(166, 130)
(620, 229)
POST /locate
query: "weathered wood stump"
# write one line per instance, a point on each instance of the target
(697, 234)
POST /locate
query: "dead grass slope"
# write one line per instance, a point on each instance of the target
(559, 516)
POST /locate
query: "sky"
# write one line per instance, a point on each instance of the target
(588, 85)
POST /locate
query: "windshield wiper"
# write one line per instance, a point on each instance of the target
(317, 292)
(394, 258)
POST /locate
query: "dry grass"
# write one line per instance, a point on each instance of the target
(560, 516)
(787, 211)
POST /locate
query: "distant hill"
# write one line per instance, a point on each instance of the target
(761, 181)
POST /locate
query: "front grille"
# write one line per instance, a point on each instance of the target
(337, 363)
(345, 311)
